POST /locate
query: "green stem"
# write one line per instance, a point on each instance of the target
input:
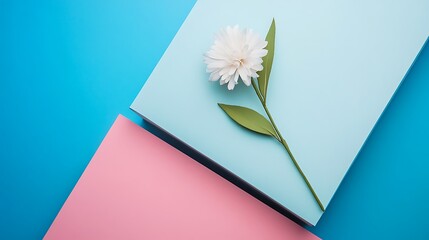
(286, 146)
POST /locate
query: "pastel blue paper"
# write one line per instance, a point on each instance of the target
(336, 66)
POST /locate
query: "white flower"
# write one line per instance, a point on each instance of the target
(235, 53)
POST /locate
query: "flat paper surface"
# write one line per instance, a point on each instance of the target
(336, 66)
(139, 187)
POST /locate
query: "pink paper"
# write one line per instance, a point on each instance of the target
(139, 187)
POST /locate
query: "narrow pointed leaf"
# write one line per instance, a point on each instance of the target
(249, 119)
(264, 74)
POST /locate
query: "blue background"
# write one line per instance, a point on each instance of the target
(68, 68)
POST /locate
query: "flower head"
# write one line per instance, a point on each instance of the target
(236, 53)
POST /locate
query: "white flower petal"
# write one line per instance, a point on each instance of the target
(214, 76)
(236, 75)
(231, 85)
(258, 67)
(247, 80)
(242, 73)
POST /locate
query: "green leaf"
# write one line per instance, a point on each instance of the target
(249, 119)
(264, 74)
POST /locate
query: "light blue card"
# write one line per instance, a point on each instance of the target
(336, 66)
